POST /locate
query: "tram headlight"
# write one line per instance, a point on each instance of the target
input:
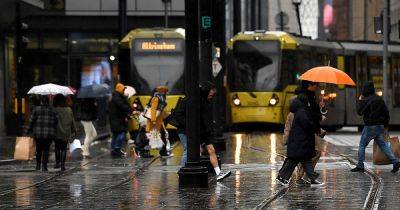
(379, 93)
(236, 101)
(274, 100)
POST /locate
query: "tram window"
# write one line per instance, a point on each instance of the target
(256, 66)
(396, 81)
(375, 73)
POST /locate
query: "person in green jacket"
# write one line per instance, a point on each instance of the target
(65, 130)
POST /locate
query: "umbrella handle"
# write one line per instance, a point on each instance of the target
(322, 109)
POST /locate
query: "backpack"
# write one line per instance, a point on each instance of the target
(172, 118)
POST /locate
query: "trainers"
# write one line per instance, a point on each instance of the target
(223, 175)
(396, 167)
(316, 183)
(358, 169)
(302, 182)
(282, 181)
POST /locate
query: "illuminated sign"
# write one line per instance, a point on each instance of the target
(158, 46)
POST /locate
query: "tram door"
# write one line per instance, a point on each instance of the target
(356, 66)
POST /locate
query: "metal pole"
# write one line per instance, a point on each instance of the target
(237, 17)
(298, 18)
(19, 60)
(193, 174)
(385, 49)
(365, 20)
(122, 18)
(166, 12)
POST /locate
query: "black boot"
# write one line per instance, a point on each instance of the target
(38, 163)
(45, 160)
(57, 154)
(63, 156)
(38, 160)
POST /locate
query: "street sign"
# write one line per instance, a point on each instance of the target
(216, 67)
(206, 22)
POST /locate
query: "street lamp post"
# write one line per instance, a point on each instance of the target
(297, 3)
(192, 174)
(166, 2)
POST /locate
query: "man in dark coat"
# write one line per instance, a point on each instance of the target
(120, 111)
(301, 141)
(376, 118)
(88, 114)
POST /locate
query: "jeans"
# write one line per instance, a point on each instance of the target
(374, 132)
(183, 139)
(117, 140)
(90, 135)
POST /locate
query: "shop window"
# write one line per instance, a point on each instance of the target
(55, 43)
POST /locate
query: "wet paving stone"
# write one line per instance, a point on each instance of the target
(254, 160)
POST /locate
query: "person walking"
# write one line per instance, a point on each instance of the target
(301, 142)
(88, 115)
(65, 130)
(156, 105)
(43, 124)
(178, 120)
(120, 112)
(376, 118)
(207, 94)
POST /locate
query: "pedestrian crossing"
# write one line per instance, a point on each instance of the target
(348, 140)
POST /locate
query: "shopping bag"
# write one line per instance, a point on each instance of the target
(76, 144)
(25, 148)
(155, 141)
(142, 120)
(379, 158)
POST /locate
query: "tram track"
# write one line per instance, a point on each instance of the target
(127, 179)
(371, 201)
(57, 175)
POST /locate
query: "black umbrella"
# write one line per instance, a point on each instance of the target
(94, 91)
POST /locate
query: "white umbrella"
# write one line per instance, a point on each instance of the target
(129, 91)
(50, 89)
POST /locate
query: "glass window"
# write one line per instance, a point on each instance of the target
(56, 42)
(256, 66)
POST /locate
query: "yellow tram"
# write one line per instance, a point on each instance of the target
(155, 57)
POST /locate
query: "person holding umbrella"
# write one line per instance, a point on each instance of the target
(43, 124)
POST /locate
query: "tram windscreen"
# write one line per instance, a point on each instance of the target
(255, 66)
(158, 62)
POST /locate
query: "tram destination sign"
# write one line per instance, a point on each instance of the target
(151, 45)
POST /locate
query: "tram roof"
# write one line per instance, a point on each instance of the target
(288, 41)
(126, 42)
(373, 48)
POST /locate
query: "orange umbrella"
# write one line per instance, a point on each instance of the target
(327, 74)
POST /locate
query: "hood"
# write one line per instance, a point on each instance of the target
(205, 88)
(119, 88)
(368, 89)
(299, 102)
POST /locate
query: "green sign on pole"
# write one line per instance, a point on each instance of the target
(206, 22)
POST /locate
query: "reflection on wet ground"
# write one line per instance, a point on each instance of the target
(254, 160)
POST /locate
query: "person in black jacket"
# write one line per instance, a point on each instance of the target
(207, 93)
(88, 114)
(120, 111)
(301, 141)
(376, 118)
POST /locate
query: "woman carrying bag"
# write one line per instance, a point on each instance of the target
(65, 130)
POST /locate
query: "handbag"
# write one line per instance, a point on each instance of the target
(155, 141)
(76, 144)
(379, 158)
(25, 148)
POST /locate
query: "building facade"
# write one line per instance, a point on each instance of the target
(72, 43)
